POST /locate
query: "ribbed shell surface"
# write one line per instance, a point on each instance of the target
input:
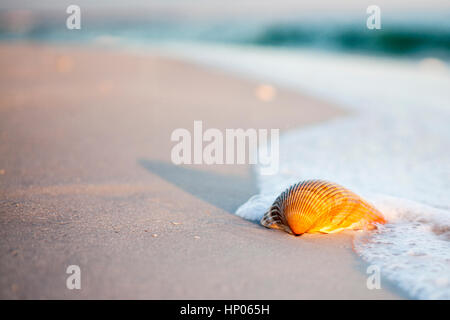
(319, 206)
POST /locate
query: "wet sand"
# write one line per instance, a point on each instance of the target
(86, 179)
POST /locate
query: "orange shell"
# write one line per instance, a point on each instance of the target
(319, 206)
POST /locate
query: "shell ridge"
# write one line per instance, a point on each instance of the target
(319, 206)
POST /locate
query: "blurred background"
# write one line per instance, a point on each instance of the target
(409, 28)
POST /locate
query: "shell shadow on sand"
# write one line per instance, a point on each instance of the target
(226, 192)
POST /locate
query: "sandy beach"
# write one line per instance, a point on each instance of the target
(86, 179)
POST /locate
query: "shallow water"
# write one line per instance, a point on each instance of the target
(393, 149)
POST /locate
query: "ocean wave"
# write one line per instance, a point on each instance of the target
(394, 40)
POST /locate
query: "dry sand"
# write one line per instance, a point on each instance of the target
(86, 179)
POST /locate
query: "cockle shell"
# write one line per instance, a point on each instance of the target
(319, 206)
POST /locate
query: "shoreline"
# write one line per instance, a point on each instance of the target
(88, 180)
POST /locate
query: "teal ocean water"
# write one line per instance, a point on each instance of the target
(409, 35)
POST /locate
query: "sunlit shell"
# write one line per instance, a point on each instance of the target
(319, 206)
